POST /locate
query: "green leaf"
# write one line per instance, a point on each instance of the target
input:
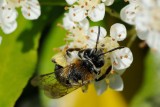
(17, 62)
(149, 94)
(18, 56)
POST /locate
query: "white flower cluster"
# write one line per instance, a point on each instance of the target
(8, 14)
(94, 9)
(144, 14)
(83, 36)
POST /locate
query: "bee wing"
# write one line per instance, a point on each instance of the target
(51, 86)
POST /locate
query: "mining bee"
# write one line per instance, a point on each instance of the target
(82, 70)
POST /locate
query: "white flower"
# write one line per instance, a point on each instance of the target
(118, 32)
(94, 9)
(149, 18)
(128, 13)
(85, 37)
(81, 34)
(0, 40)
(121, 58)
(8, 17)
(30, 10)
(144, 15)
(69, 24)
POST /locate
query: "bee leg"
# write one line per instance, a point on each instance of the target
(96, 72)
(71, 50)
(105, 74)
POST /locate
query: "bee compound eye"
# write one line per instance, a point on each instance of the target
(87, 52)
(99, 64)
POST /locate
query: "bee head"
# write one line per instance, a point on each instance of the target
(92, 55)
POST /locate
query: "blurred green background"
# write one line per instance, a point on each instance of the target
(28, 51)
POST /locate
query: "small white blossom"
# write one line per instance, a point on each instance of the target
(0, 40)
(85, 37)
(118, 32)
(121, 58)
(30, 10)
(149, 18)
(94, 9)
(144, 15)
(8, 17)
(81, 34)
(128, 13)
(69, 24)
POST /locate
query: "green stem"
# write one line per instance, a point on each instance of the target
(112, 12)
(133, 37)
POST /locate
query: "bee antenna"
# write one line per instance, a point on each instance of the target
(120, 47)
(97, 37)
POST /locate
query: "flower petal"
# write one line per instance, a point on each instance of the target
(149, 3)
(70, 2)
(97, 13)
(121, 58)
(100, 86)
(3, 2)
(77, 13)
(134, 1)
(108, 2)
(118, 32)
(116, 82)
(93, 33)
(31, 9)
(142, 22)
(121, 71)
(84, 24)
(153, 40)
(128, 13)
(67, 22)
(142, 34)
(9, 27)
(8, 14)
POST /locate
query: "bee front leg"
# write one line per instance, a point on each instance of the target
(105, 74)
